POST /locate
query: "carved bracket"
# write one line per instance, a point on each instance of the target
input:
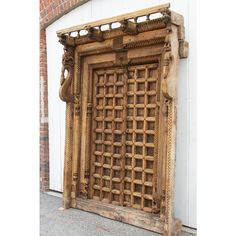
(129, 27)
(65, 92)
(183, 49)
(95, 34)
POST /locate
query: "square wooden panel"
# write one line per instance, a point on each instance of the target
(125, 114)
(111, 142)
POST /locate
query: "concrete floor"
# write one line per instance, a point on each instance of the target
(73, 222)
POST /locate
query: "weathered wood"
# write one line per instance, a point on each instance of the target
(76, 131)
(155, 24)
(84, 103)
(123, 214)
(176, 18)
(183, 49)
(129, 27)
(135, 14)
(121, 118)
(95, 34)
(66, 94)
(68, 157)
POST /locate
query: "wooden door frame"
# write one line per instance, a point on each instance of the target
(165, 36)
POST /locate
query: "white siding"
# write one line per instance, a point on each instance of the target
(185, 196)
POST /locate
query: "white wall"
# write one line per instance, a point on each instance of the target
(185, 197)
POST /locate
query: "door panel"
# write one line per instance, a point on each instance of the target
(125, 129)
(108, 126)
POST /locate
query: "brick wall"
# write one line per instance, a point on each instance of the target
(44, 145)
(50, 10)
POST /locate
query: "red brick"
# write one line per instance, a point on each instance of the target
(49, 10)
(44, 149)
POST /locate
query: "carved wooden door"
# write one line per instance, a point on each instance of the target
(124, 140)
(120, 91)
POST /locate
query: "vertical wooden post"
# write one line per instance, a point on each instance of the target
(68, 157)
(89, 127)
(172, 227)
(76, 127)
(65, 93)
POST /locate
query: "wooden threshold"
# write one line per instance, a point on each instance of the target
(127, 215)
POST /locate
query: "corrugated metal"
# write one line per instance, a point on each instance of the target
(185, 203)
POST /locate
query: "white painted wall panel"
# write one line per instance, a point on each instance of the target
(185, 196)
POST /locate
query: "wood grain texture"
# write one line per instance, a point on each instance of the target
(144, 12)
(126, 215)
(122, 122)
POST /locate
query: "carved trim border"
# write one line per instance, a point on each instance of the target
(173, 47)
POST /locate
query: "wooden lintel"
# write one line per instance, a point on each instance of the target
(129, 27)
(110, 20)
(142, 27)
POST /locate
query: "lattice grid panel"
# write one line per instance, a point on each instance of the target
(109, 129)
(125, 124)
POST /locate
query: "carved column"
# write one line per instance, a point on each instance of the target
(169, 89)
(76, 127)
(66, 95)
